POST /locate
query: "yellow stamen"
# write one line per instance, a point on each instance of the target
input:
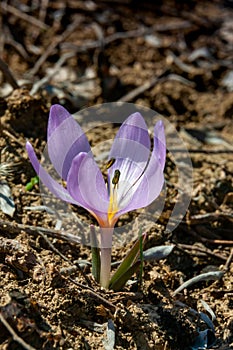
(110, 163)
(116, 177)
(113, 208)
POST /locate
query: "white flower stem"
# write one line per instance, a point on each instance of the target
(105, 257)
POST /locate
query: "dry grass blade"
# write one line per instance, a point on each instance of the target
(208, 276)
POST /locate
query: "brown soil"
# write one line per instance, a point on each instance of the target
(187, 45)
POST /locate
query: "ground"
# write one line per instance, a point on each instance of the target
(174, 57)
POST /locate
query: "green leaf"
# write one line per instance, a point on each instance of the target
(34, 180)
(128, 261)
(141, 256)
(121, 281)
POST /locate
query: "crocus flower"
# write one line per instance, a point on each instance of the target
(135, 174)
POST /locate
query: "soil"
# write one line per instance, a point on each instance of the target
(83, 53)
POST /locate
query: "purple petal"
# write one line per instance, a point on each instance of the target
(132, 132)
(57, 116)
(149, 186)
(134, 128)
(130, 149)
(86, 185)
(66, 139)
(57, 189)
(160, 142)
(130, 173)
(146, 190)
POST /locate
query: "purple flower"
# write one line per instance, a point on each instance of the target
(135, 177)
(135, 174)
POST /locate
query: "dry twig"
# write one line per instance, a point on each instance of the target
(141, 89)
(229, 260)
(8, 75)
(14, 11)
(95, 295)
(149, 84)
(205, 251)
(208, 217)
(54, 44)
(12, 137)
(34, 230)
(14, 335)
(207, 240)
(15, 44)
(43, 10)
(64, 257)
(124, 35)
(38, 84)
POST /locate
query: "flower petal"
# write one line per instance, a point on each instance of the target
(66, 139)
(131, 150)
(130, 173)
(160, 142)
(86, 185)
(57, 189)
(149, 186)
(132, 132)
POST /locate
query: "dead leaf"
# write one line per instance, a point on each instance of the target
(7, 204)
